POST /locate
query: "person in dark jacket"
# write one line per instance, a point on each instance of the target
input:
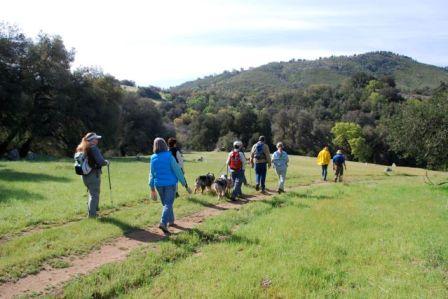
(339, 166)
(177, 154)
(163, 177)
(92, 180)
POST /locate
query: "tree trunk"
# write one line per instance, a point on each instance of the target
(25, 148)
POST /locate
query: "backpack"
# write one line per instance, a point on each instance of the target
(259, 151)
(235, 161)
(82, 166)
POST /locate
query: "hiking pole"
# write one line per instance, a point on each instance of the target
(110, 185)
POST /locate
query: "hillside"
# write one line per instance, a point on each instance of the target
(281, 76)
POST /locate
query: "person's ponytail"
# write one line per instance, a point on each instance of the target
(84, 145)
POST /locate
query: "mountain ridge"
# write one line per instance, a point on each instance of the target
(300, 73)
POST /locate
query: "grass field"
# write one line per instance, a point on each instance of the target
(377, 235)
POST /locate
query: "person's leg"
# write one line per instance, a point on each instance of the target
(257, 175)
(326, 171)
(93, 183)
(282, 178)
(263, 172)
(236, 178)
(243, 178)
(163, 199)
(170, 195)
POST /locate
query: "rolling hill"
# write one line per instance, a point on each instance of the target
(294, 74)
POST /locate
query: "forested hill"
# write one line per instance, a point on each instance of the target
(283, 76)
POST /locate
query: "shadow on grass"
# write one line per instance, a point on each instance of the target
(211, 237)
(10, 194)
(13, 176)
(205, 203)
(311, 196)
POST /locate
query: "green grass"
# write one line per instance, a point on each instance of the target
(43, 205)
(374, 239)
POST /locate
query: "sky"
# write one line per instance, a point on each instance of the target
(165, 43)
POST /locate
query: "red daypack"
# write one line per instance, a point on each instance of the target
(235, 162)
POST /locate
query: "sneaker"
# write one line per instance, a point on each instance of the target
(279, 191)
(164, 228)
(257, 187)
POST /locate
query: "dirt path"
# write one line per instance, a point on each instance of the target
(117, 250)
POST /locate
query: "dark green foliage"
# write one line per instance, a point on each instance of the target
(420, 130)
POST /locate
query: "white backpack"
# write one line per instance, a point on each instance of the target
(82, 166)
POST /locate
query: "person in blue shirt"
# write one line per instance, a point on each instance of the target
(280, 161)
(339, 166)
(164, 174)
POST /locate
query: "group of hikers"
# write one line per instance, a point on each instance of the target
(167, 170)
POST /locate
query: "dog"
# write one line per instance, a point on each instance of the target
(203, 182)
(222, 186)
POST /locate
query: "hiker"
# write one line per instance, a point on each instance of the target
(241, 149)
(163, 177)
(339, 165)
(235, 162)
(177, 154)
(260, 159)
(92, 179)
(280, 162)
(323, 159)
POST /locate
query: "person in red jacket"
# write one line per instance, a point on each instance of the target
(235, 163)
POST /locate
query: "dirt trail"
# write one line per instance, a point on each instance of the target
(117, 250)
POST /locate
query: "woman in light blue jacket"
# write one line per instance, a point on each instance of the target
(280, 161)
(163, 177)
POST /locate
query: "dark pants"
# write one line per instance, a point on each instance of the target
(237, 178)
(339, 173)
(260, 174)
(324, 172)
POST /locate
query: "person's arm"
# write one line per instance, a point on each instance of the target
(178, 172)
(243, 159)
(267, 154)
(151, 181)
(180, 159)
(151, 176)
(252, 155)
(99, 159)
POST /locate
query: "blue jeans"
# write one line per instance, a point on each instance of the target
(260, 174)
(167, 195)
(281, 173)
(324, 172)
(237, 178)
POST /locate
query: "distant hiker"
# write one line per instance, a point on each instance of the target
(236, 162)
(260, 159)
(280, 162)
(241, 148)
(89, 161)
(177, 154)
(339, 165)
(323, 159)
(163, 177)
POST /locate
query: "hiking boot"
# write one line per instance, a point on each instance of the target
(164, 228)
(257, 187)
(177, 194)
(232, 198)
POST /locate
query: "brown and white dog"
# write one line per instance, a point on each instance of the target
(222, 186)
(203, 182)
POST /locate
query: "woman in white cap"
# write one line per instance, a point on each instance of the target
(280, 161)
(92, 180)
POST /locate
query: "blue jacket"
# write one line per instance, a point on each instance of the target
(339, 159)
(164, 171)
(280, 161)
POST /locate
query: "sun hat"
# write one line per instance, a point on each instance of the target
(93, 136)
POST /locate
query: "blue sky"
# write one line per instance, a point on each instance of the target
(165, 43)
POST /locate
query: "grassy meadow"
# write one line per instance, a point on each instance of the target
(376, 235)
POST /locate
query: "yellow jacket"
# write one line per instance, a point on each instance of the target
(324, 157)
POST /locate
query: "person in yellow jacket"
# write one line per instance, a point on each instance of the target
(323, 159)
